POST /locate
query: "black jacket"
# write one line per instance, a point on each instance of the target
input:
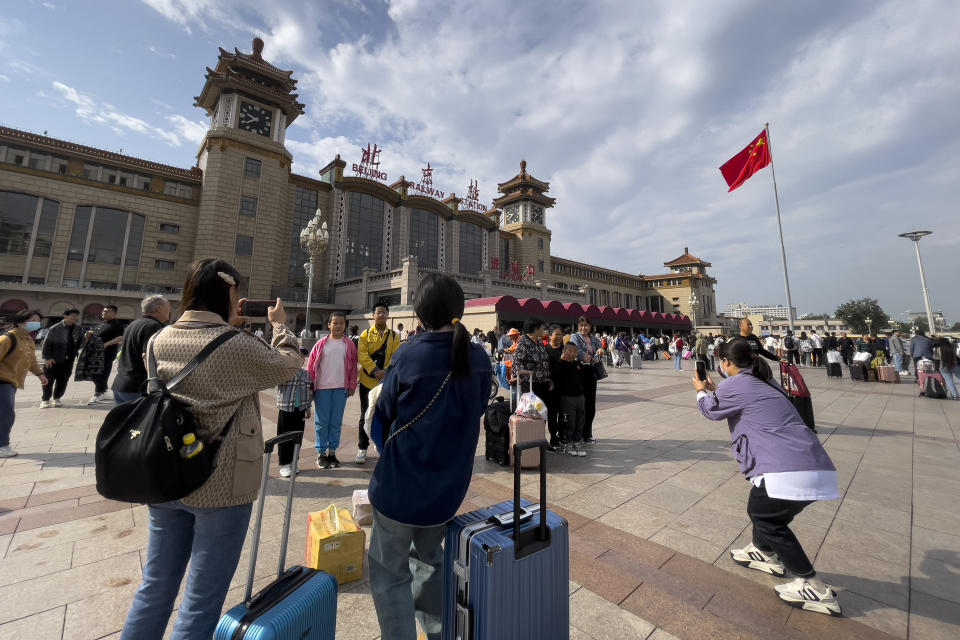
(758, 348)
(131, 370)
(57, 345)
(567, 379)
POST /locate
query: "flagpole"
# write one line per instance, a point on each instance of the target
(783, 251)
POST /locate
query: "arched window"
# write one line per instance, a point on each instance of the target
(424, 237)
(364, 234)
(19, 215)
(116, 239)
(471, 248)
(91, 313)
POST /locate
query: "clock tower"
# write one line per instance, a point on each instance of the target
(524, 204)
(244, 207)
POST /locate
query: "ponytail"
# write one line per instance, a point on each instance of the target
(760, 368)
(460, 358)
(740, 353)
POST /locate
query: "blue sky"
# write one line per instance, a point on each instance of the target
(627, 108)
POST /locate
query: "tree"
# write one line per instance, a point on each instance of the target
(856, 312)
(955, 327)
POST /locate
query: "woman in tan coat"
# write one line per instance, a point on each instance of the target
(18, 354)
(207, 528)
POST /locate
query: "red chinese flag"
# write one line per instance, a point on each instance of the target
(754, 157)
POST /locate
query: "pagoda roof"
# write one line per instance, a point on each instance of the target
(523, 179)
(524, 194)
(254, 61)
(686, 259)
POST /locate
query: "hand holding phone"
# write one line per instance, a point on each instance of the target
(701, 370)
(255, 308)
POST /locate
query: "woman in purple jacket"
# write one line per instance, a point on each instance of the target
(785, 463)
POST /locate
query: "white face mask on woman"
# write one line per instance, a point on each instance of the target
(720, 370)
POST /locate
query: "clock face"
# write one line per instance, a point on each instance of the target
(255, 118)
(513, 214)
(536, 214)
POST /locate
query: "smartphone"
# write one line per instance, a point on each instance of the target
(701, 370)
(256, 308)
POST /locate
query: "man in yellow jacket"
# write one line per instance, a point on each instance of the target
(17, 356)
(375, 348)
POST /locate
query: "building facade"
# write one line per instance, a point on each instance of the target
(83, 227)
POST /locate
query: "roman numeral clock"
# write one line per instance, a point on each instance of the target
(255, 118)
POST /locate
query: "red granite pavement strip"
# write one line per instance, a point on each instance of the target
(38, 499)
(688, 591)
(682, 619)
(638, 549)
(13, 503)
(738, 610)
(816, 625)
(60, 516)
(609, 582)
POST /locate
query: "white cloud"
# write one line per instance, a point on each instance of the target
(50, 5)
(187, 129)
(160, 52)
(87, 109)
(4, 78)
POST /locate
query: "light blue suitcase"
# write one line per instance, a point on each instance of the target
(496, 589)
(301, 604)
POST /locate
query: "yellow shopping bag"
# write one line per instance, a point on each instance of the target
(335, 544)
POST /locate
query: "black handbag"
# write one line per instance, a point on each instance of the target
(599, 370)
(138, 456)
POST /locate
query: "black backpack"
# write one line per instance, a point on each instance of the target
(13, 344)
(138, 446)
(789, 343)
(496, 420)
(933, 388)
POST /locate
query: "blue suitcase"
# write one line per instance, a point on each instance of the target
(497, 589)
(301, 604)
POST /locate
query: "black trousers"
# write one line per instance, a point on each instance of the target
(771, 518)
(571, 418)
(57, 378)
(363, 440)
(100, 381)
(793, 356)
(288, 421)
(589, 402)
(553, 413)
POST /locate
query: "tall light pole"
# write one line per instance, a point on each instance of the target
(693, 309)
(869, 325)
(915, 236)
(313, 239)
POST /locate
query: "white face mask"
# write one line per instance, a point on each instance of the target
(32, 325)
(720, 370)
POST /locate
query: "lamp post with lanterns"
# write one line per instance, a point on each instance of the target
(915, 236)
(693, 309)
(313, 239)
(869, 325)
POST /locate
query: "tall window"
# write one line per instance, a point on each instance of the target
(112, 228)
(18, 212)
(248, 206)
(424, 237)
(304, 207)
(471, 248)
(244, 246)
(504, 254)
(364, 234)
(251, 168)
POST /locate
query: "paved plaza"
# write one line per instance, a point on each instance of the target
(653, 510)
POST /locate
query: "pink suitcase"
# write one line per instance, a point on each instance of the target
(888, 373)
(524, 429)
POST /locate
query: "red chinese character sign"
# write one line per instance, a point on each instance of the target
(495, 263)
(369, 166)
(472, 201)
(425, 186)
(516, 272)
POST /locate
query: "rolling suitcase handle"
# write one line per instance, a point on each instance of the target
(540, 538)
(296, 437)
(519, 373)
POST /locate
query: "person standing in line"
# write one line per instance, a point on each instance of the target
(804, 350)
(375, 349)
(205, 530)
(949, 366)
(847, 347)
(568, 380)
(59, 352)
(131, 371)
(110, 332)
(676, 349)
(588, 351)
(896, 351)
(426, 424)
(791, 348)
(294, 398)
(333, 368)
(532, 356)
(18, 355)
(554, 351)
(784, 462)
(817, 354)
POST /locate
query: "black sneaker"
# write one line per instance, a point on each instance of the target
(322, 461)
(590, 440)
(332, 462)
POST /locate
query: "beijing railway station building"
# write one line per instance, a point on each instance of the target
(83, 227)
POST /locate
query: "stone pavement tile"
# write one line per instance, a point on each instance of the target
(710, 524)
(26, 466)
(70, 482)
(577, 634)
(690, 592)
(866, 514)
(37, 499)
(100, 614)
(601, 619)
(738, 612)
(46, 625)
(680, 618)
(660, 634)
(820, 626)
(33, 564)
(638, 518)
(874, 613)
(876, 543)
(69, 531)
(936, 519)
(9, 523)
(641, 551)
(932, 618)
(868, 577)
(68, 513)
(573, 587)
(585, 503)
(356, 615)
(671, 497)
(936, 564)
(705, 550)
(12, 504)
(611, 583)
(109, 544)
(31, 596)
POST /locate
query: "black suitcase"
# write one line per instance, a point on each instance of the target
(804, 407)
(834, 370)
(858, 371)
(496, 429)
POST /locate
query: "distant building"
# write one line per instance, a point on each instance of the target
(742, 310)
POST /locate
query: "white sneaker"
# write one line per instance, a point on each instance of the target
(94, 400)
(7, 452)
(361, 456)
(45, 404)
(571, 450)
(803, 595)
(57, 403)
(752, 558)
(285, 471)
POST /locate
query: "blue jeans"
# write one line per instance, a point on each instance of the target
(406, 577)
(7, 393)
(677, 357)
(210, 539)
(898, 362)
(948, 375)
(328, 405)
(125, 396)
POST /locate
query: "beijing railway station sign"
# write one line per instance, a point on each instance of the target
(369, 166)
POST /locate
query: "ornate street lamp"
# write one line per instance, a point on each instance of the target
(915, 236)
(693, 309)
(869, 325)
(313, 239)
